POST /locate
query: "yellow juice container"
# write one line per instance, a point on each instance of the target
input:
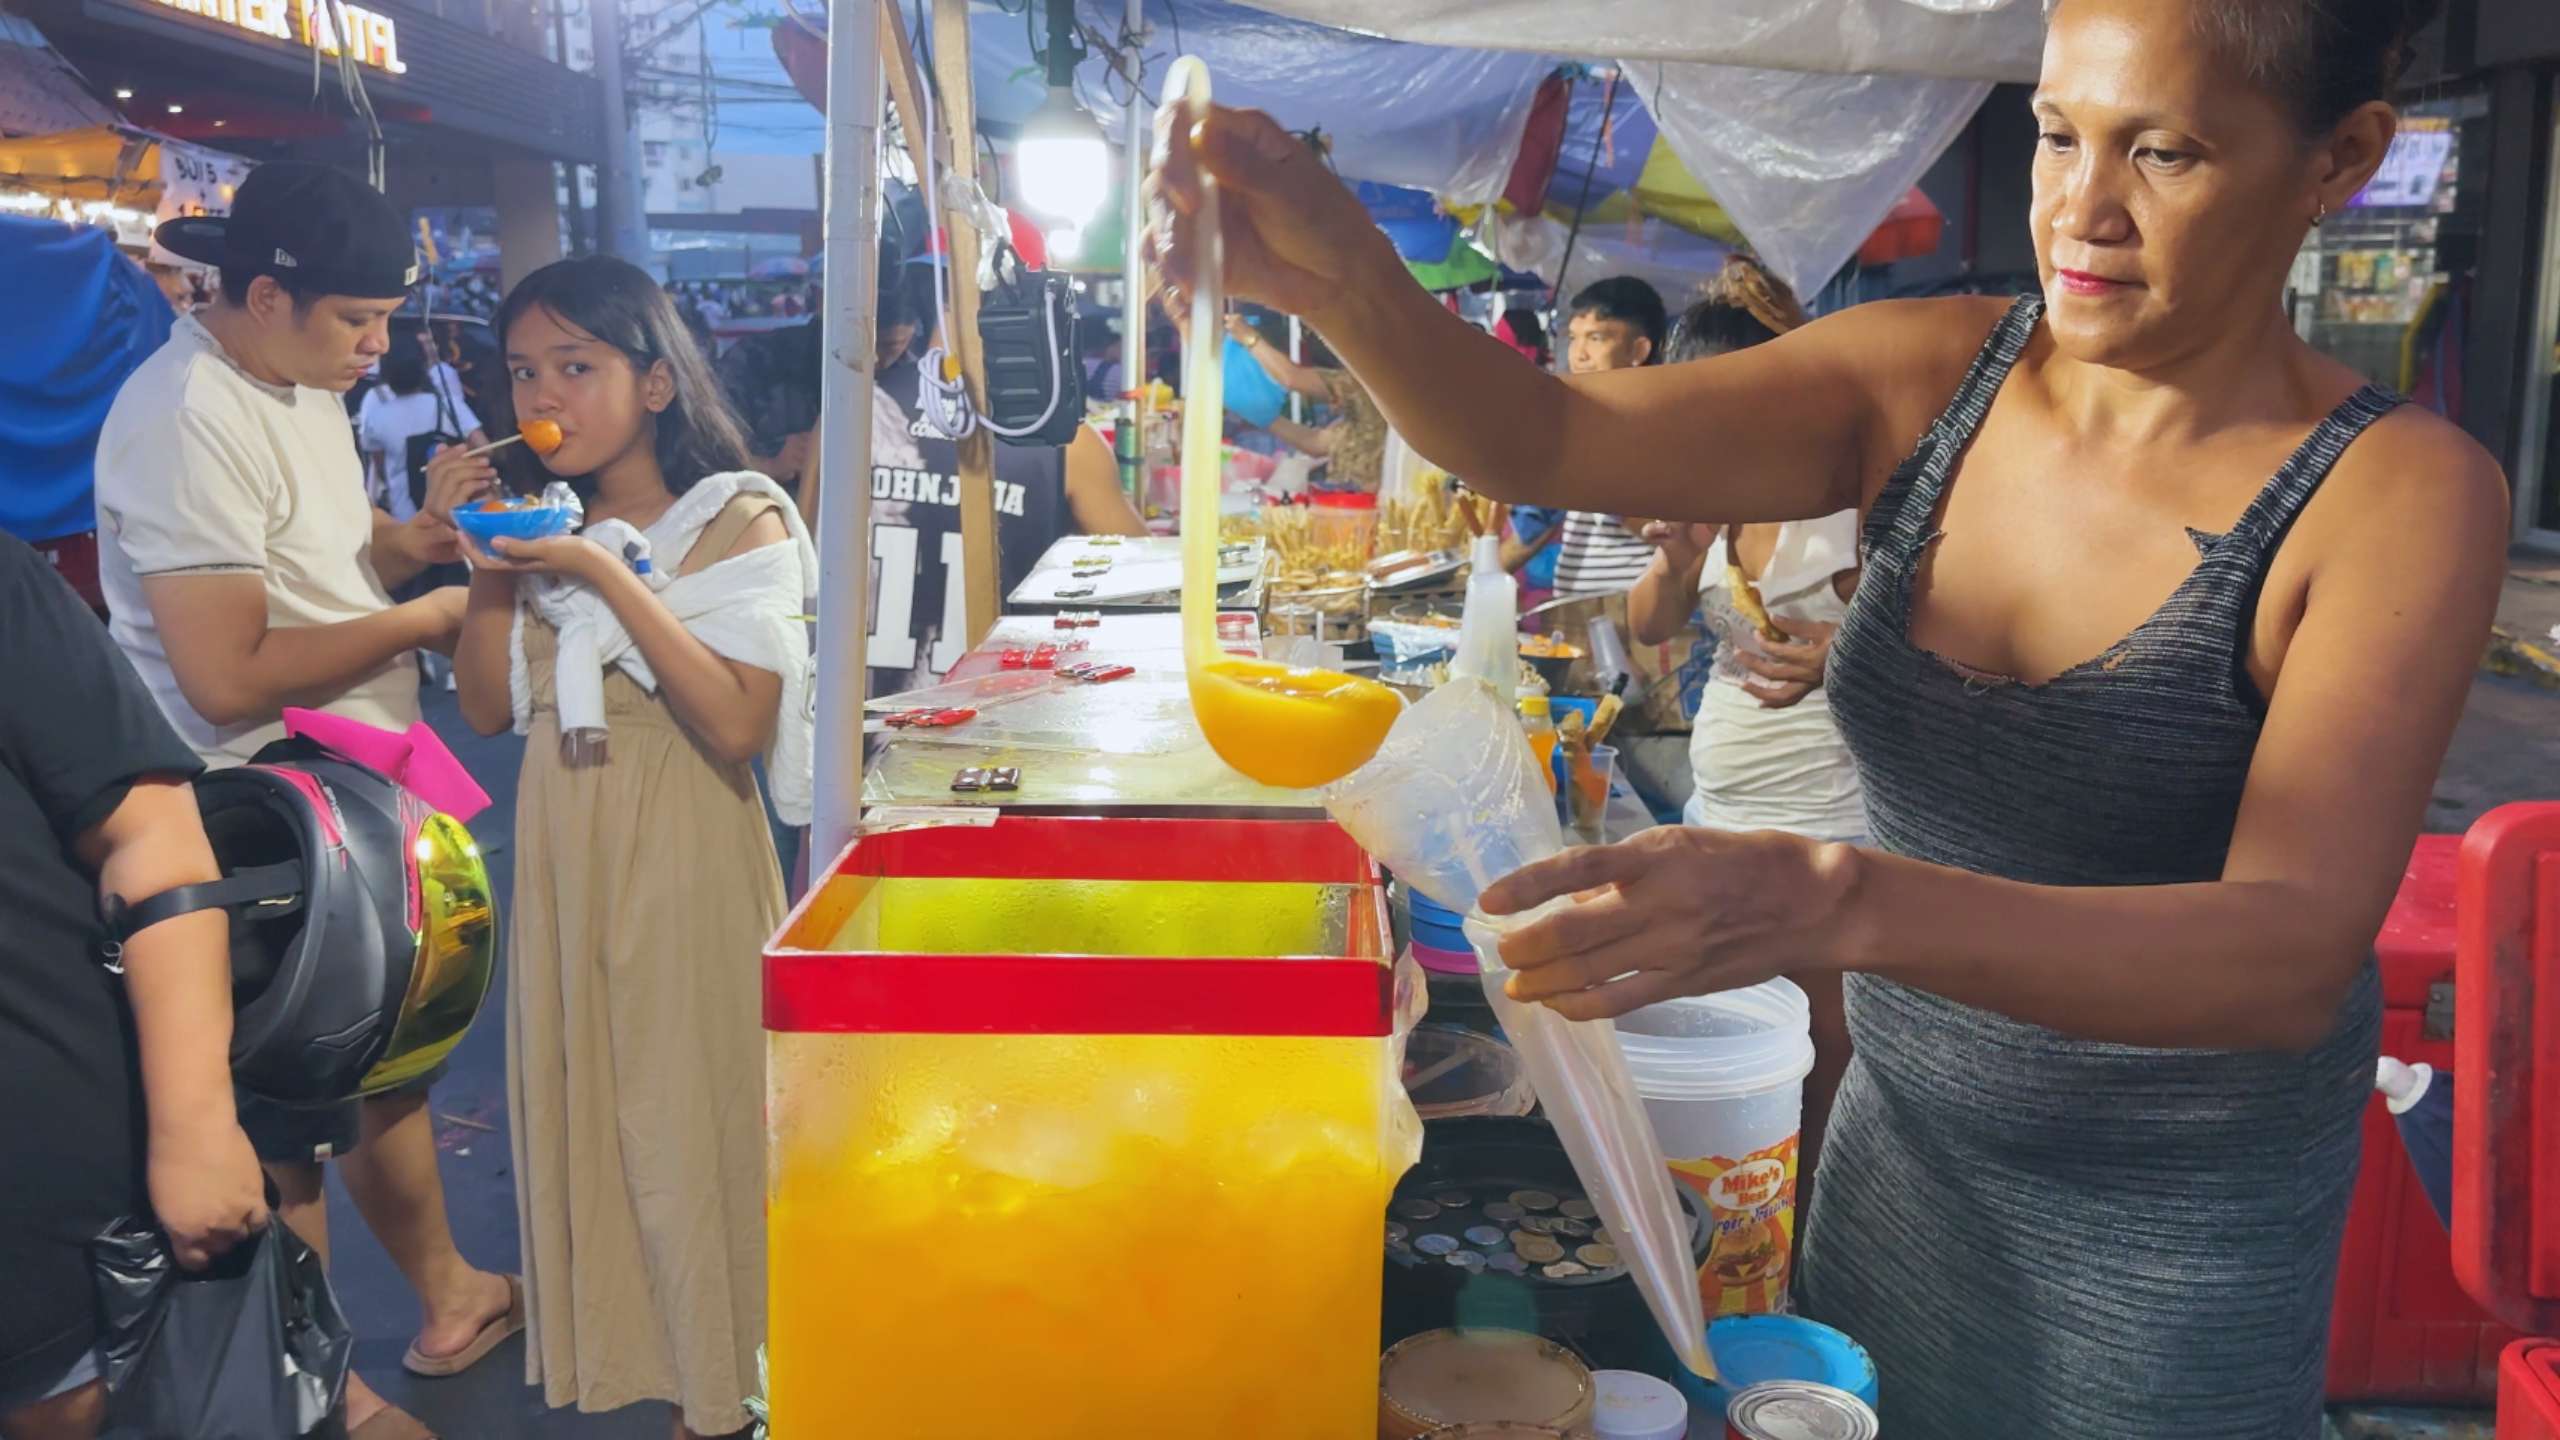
(1083, 1127)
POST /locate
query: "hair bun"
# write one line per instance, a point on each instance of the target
(1746, 284)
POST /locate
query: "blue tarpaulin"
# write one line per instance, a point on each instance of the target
(84, 316)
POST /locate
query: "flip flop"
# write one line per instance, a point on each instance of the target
(392, 1423)
(491, 1336)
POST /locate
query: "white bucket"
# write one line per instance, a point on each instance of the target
(1722, 1078)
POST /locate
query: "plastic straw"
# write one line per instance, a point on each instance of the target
(1203, 395)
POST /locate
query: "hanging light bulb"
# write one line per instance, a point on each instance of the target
(1063, 161)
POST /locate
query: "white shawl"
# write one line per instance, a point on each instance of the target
(749, 608)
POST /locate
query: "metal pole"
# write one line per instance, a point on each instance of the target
(852, 245)
(1298, 353)
(1131, 442)
(619, 191)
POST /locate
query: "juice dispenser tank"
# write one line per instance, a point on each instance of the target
(1083, 1127)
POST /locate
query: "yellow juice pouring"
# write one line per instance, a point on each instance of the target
(1278, 724)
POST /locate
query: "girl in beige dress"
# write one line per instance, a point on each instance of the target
(646, 881)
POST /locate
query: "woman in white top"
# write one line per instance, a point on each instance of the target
(416, 397)
(1765, 753)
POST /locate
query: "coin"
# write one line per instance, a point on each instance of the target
(1503, 1212)
(1396, 1234)
(1507, 1263)
(1601, 1234)
(1488, 1236)
(1579, 1209)
(1536, 1201)
(1414, 1208)
(1435, 1244)
(1538, 1224)
(1464, 1260)
(1454, 1199)
(1570, 1229)
(1563, 1270)
(1598, 1257)
(1537, 1249)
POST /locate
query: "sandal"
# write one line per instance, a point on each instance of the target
(491, 1336)
(392, 1423)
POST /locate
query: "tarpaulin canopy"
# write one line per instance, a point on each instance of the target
(1947, 39)
(1667, 170)
(1432, 117)
(39, 91)
(81, 317)
(1800, 166)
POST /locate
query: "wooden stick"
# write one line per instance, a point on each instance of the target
(959, 115)
(906, 85)
(492, 445)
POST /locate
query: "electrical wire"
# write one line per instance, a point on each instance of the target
(944, 402)
(1608, 112)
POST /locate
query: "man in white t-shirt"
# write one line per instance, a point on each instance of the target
(245, 572)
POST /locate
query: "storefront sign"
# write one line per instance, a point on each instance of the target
(375, 41)
(2411, 170)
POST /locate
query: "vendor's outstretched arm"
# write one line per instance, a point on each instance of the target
(2256, 959)
(1797, 428)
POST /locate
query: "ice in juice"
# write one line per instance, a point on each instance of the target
(1287, 726)
(1039, 1236)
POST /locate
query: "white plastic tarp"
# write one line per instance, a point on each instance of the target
(1807, 165)
(1956, 39)
(1432, 117)
(1653, 250)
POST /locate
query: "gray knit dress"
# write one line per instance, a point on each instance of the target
(2040, 1237)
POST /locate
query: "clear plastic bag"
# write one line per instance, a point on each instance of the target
(1453, 802)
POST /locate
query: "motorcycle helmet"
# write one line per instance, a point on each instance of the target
(363, 934)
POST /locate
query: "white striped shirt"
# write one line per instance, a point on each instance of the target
(1600, 556)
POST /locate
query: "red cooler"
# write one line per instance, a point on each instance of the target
(2506, 1100)
(2529, 1391)
(2403, 1331)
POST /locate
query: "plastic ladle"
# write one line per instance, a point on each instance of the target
(1279, 724)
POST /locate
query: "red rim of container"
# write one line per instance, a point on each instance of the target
(865, 992)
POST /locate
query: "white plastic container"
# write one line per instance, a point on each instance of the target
(1722, 1078)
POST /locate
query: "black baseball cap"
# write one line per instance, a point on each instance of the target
(324, 230)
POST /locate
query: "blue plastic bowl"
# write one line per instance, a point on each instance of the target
(516, 522)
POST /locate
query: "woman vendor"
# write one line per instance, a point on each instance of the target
(2109, 684)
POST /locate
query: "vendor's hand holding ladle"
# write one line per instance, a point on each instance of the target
(1294, 234)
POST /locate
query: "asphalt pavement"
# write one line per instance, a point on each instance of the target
(491, 1401)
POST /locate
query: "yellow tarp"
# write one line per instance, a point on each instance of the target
(1664, 189)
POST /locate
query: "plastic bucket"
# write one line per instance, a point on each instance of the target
(1722, 1078)
(1441, 928)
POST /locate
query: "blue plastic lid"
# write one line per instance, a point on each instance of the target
(1752, 1349)
(1425, 909)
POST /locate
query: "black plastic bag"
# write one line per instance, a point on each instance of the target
(253, 1347)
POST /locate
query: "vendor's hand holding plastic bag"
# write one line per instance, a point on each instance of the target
(1452, 803)
(252, 1347)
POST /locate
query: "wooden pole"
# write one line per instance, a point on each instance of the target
(959, 116)
(906, 86)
